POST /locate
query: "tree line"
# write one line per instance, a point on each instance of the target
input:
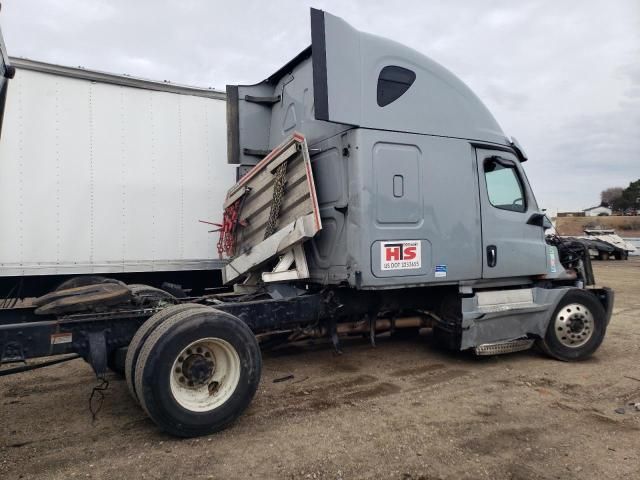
(618, 198)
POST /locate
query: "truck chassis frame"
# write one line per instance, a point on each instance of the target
(97, 336)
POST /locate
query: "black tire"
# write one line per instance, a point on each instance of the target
(553, 346)
(166, 345)
(603, 256)
(622, 255)
(84, 280)
(133, 351)
(148, 296)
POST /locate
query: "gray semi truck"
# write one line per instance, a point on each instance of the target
(375, 193)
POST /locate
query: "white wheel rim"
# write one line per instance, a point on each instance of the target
(574, 325)
(205, 374)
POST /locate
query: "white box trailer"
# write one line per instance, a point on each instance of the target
(109, 174)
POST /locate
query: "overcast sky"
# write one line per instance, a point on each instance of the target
(561, 76)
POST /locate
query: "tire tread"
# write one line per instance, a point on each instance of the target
(133, 352)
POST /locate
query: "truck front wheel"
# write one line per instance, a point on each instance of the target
(198, 371)
(576, 328)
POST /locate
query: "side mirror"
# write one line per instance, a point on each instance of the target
(539, 220)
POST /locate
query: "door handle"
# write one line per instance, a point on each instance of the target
(492, 255)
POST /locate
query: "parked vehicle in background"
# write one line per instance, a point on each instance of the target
(604, 244)
(636, 244)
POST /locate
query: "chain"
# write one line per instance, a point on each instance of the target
(226, 243)
(276, 203)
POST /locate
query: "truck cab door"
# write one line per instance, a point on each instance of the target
(512, 240)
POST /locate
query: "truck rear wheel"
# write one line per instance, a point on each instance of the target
(198, 371)
(576, 328)
(133, 351)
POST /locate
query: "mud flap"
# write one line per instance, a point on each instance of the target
(97, 356)
(606, 297)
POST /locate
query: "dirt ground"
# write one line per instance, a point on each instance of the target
(402, 410)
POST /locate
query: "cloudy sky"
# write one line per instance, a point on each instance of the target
(561, 76)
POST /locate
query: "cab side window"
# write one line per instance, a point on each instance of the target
(393, 82)
(504, 186)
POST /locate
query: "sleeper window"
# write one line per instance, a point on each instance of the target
(393, 82)
(504, 187)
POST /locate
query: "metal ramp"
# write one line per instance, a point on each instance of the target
(268, 214)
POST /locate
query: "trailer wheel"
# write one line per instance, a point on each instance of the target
(133, 351)
(576, 328)
(198, 371)
(603, 256)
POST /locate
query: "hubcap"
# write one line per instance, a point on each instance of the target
(196, 369)
(573, 325)
(205, 374)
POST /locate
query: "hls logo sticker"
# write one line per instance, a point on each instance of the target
(400, 255)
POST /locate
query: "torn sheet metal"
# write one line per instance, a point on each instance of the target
(277, 208)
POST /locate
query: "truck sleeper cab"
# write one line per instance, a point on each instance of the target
(400, 149)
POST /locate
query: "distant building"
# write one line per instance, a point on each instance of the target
(571, 214)
(598, 211)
